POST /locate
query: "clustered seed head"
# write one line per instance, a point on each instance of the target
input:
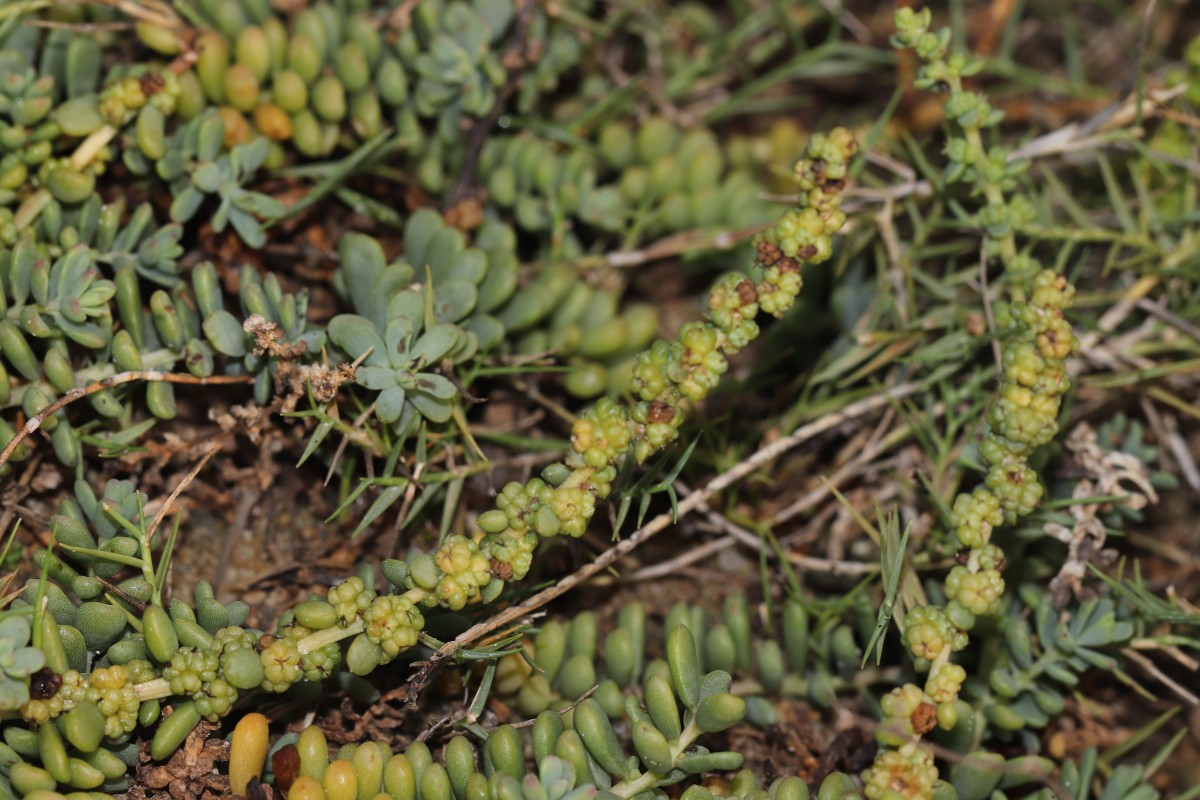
(522, 502)
(573, 506)
(216, 700)
(190, 669)
(233, 638)
(465, 571)
(316, 664)
(732, 307)
(351, 598)
(602, 434)
(975, 515)
(944, 683)
(70, 691)
(111, 689)
(929, 634)
(319, 663)
(197, 673)
(907, 711)
(780, 286)
(906, 774)
(512, 555)
(393, 623)
(702, 361)
(281, 665)
(978, 592)
(122, 97)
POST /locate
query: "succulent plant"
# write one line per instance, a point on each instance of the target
(1059, 652)
(396, 335)
(450, 50)
(60, 330)
(567, 658)
(577, 756)
(652, 180)
(1023, 417)
(454, 102)
(194, 167)
(398, 338)
(18, 660)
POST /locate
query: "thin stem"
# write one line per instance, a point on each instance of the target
(36, 421)
(993, 193)
(157, 689)
(315, 641)
(156, 359)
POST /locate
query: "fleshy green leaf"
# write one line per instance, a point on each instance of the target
(362, 261)
(435, 344)
(24, 662)
(13, 695)
(15, 630)
(225, 334)
(397, 339)
(377, 378)
(432, 408)
(356, 336)
(390, 404)
(454, 300)
(434, 385)
(408, 305)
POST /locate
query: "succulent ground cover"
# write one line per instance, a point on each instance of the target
(504, 400)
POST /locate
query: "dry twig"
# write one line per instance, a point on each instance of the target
(136, 376)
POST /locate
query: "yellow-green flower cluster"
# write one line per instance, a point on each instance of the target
(281, 665)
(392, 623)
(351, 598)
(69, 693)
(928, 633)
(190, 669)
(124, 96)
(198, 674)
(905, 774)
(464, 571)
(906, 711)
(1036, 341)
(601, 434)
(316, 664)
(109, 688)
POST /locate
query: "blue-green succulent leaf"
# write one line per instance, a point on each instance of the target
(376, 378)
(435, 344)
(356, 336)
(390, 404)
